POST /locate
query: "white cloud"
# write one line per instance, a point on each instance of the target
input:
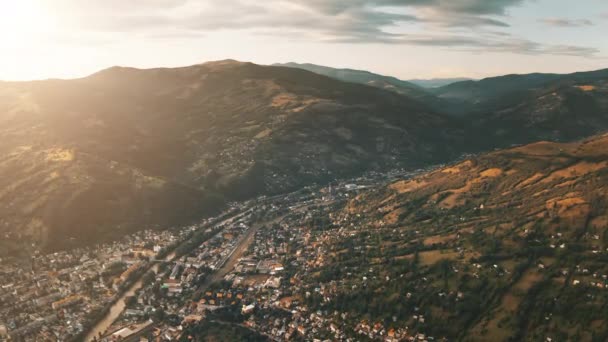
(564, 22)
(462, 24)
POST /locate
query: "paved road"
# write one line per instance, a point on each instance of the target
(117, 308)
(239, 250)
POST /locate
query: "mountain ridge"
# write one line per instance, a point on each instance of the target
(226, 130)
(514, 82)
(438, 82)
(364, 77)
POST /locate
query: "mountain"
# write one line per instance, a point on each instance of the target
(126, 149)
(493, 91)
(437, 82)
(507, 246)
(365, 77)
(502, 111)
(520, 109)
(563, 110)
(161, 147)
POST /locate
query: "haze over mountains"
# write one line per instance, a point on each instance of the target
(366, 77)
(136, 148)
(437, 82)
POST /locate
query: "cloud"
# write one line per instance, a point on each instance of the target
(455, 24)
(563, 22)
(474, 7)
(367, 15)
(487, 43)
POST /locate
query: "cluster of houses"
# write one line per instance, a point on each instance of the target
(165, 299)
(53, 297)
(269, 284)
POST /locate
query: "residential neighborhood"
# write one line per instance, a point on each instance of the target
(251, 259)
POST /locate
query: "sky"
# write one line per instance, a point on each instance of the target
(408, 39)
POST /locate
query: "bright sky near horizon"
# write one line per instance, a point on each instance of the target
(403, 38)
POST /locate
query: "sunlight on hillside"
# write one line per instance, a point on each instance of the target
(20, 19)
(586, 87)
(60, 155)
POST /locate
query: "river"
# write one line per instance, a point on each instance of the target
(118, 307)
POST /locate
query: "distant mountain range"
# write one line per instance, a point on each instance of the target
(497, 90)
(527, 108)
(406, 87)
(159, 147)
(364, 77)
(438, 82)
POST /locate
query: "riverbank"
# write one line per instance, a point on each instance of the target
(117, 308)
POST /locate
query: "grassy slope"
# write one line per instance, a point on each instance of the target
(543, 204)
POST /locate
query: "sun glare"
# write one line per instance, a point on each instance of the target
(21, 22)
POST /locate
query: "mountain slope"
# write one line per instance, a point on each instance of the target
(502, 111)
(493, 91)
(365, 77)
(509, 246)
(208, 133)
(564, 111)
(62, 198)
(437, 82)
(519, 109)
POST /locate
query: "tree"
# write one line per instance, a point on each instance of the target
(445, 265)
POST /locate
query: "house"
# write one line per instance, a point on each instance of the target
(134, 313)
(247, 309)
(273, 282)
(175, 272)
(68, 301)
(132, 333)
(302, 330)
(192, 319)
(269, 266)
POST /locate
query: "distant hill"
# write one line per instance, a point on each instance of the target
(437, 82)
(126, 149)
(496, 90)
(365, 77)
(501, 247)
(549, 107)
